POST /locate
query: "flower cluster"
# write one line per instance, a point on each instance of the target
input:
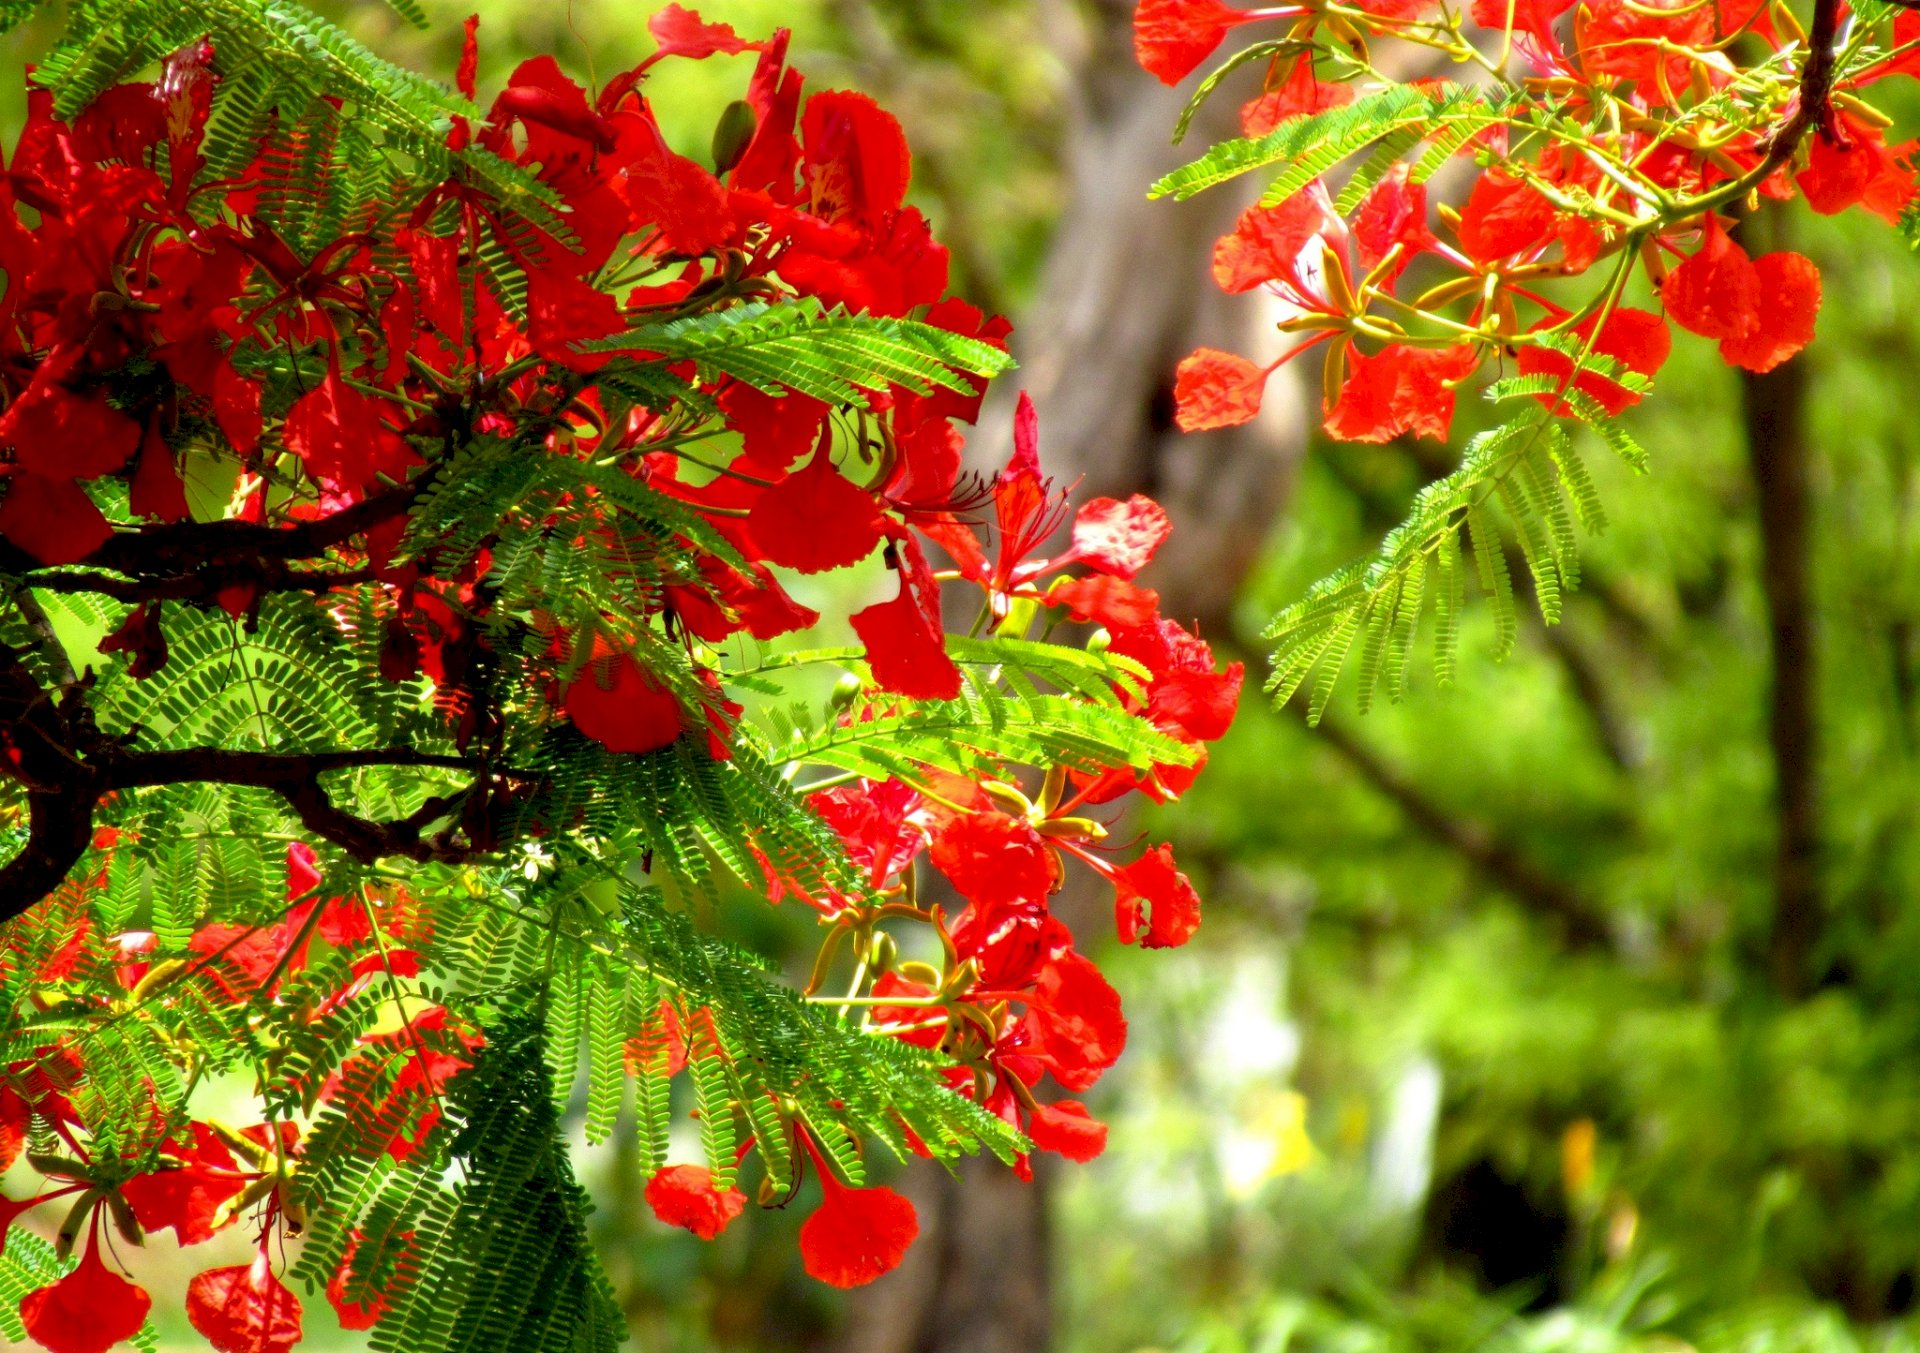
(1008, 998)
(200, 1176)
(208, 406)
(1609, 138)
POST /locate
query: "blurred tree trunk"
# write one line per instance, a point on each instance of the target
(1124, 295)
(1774, 406)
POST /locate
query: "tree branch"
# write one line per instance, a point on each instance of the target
(67, 766)
(1500, 861)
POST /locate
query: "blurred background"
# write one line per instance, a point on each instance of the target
(1577, 1008)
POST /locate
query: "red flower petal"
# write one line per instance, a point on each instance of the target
(1075, 1027)
(684, 1195)
(994, 859)
(341, 436)
(631, 712)
(1789, 302)
(815, 519)
(360, 1315)
(1214, 389)
(1503, 217)
(1400, 390)
(1266, 243)
(775, 430)
(244, 1309)
(681, 32)
(157, 489)
(1151, 889)
(52, 519)
(1119, 538)
(1301, 95)
(1394, 213)
(1105, 600)
(855, 1235)
(88, 1311)
(906, 644)
(14, 1116)
(855, 158)
(1716, 293)
(1171, 37)
(668, 190)
(62, 432)
(1066, 1129)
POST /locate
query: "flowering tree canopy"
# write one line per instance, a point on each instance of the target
(1610, 149)
(402, 495)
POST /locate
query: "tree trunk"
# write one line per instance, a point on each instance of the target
(1776, 423)
(1774, 407)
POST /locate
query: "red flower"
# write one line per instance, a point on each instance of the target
(61, 429)
(1637, 339)
(1065, 1128)
(1788, 302)
(1152, 890)
(1394, 215)
(684, 1195)
(1186, 691)
(88, 1311)
(245, 1308)
(1762, 310)
(1857, 167)
(190, 1191)
(1280, 245)
(876, 823)
(1214, 389)
(1715, 293)
(1171, 37)
(1399, 391)
(855, 1235)
(621, 705)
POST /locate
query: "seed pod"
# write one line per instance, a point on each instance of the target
(732, 134)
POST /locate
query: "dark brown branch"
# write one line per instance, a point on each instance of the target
(262, 770)
(1812, 107)
(207, 581)
(227, 551)
(1500, 861)
(67, 766)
